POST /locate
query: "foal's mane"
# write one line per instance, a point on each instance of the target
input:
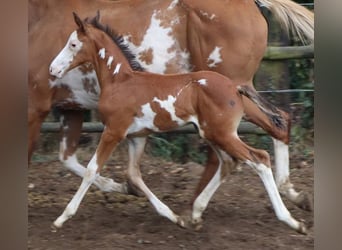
(119, 41)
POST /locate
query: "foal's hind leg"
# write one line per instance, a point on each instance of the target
(215, 179)
(260, 162)
(281, 153)
(71, 125)
(135, 149)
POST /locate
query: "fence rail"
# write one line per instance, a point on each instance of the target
(289, 52)
(97, 127)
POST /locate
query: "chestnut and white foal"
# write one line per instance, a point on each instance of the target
(134, 104)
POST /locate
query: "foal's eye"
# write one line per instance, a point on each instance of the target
(73, 45)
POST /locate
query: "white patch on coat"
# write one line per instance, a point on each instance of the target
(203, 82)
(168, 105)
(117, 69)
(74, 80)
(102, 53)
(214, 57)
(109, 62)
(63, 60)
(207, 15)
(172, 5)
(145, 121)
(165, 48)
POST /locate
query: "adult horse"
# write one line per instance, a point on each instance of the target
(169, 36)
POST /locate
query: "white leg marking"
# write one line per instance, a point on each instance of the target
(88, 179)
(281, 155)
(203, 199)
(281, 211)
(135, 150)
(282, 170)
(103, 183)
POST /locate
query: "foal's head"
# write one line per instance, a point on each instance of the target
(81, 47)
(78, 49)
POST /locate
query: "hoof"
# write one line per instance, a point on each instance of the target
(182, 222)
(186, 221)
(197, 224)
(54, 228)
(302, 228)
(304, 201)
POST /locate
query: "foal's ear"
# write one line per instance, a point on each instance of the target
(79, 22)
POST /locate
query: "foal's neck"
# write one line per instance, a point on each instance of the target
(111, 62)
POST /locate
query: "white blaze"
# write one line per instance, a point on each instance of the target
(63, 60)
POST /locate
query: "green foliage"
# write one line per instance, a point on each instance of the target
(178, 148)
(258, 141)
(300, 139)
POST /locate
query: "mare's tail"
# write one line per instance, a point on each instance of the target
(274, 114)
(292, 16)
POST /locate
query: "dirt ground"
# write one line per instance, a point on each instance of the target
(239, 215)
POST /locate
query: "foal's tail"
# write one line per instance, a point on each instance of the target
(292, 16)
(273, 113)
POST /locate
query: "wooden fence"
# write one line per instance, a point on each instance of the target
(272, 53)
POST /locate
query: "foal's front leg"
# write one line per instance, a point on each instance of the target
(135, 149)
(106, 145)
(71, 125)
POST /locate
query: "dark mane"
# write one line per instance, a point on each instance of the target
(119, 41)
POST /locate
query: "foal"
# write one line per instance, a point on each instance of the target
(134, 104)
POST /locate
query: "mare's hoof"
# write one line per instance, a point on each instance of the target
(302, 228)
(304, 201)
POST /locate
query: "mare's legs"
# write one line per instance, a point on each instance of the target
(106, 145)
(71, 126)
(135, 149)
(281, 152)
(35, 120)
